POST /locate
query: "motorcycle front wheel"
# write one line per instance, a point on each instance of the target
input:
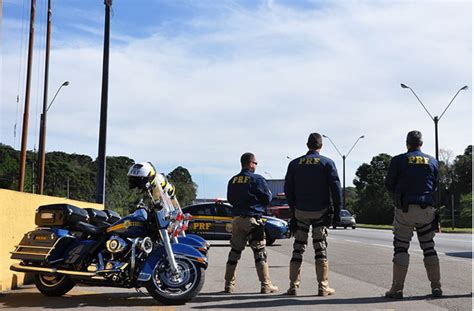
(178, 288)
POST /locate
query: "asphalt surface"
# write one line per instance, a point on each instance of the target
(360, 263)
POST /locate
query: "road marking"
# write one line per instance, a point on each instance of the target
(411, 250)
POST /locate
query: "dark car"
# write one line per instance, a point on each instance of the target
(347, 220)
(213, 220)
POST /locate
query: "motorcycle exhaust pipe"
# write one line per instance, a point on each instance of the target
(21, 268)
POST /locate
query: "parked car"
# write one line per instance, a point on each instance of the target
(213, 220)
(279, 207)
(347, 220)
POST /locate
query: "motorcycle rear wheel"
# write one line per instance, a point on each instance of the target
(179, 289)
(53, 285)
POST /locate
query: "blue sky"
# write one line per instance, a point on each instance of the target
(197, 83)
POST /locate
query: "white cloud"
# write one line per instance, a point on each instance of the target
(262, 80)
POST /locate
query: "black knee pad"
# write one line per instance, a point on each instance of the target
(260, 255)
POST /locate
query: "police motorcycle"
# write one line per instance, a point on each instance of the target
(73, 246)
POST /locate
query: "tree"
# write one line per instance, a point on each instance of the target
(462, 178)
(118, 196)
(9, 167)
(373, 204)
(351, 198)
(465, 208)
(186, 188)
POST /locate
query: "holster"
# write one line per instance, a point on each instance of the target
(258, 231)
(292, 225)
(398, 199)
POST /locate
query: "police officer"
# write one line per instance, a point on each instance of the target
(249, 195)
(310, 183)
(412, 180)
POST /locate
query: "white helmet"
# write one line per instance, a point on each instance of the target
(140, 174)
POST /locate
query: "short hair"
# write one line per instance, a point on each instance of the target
(315, 141)
(414, 139)
(246, 158)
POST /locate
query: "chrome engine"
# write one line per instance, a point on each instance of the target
(121, 255)
(116, 244)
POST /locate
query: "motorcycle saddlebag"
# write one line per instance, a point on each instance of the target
(113, 216)
(97, 217)
(43, 245)
(60, 215)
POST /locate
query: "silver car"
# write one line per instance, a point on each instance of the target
(347, 220)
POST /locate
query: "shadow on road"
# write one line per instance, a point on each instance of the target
(37, 300)
(460, 254)
(270, 301)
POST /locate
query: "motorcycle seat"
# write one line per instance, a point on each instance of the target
(90, 229)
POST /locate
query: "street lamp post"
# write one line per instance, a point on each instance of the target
(343, 166)
(42, 139)
(435, 120)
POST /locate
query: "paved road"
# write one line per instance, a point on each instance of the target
(360, 263)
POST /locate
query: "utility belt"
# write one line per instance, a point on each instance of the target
(401, 204)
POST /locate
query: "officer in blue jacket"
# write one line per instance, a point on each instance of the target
(249, 195)
(412, 181)
(311, 183)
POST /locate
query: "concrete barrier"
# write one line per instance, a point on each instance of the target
(17, 216)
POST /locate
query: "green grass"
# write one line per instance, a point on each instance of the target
(443, 229)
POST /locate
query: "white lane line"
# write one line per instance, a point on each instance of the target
(415, 250)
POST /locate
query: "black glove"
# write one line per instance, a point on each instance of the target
(292, 225)
(435, 224)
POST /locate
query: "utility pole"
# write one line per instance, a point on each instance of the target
(101, 163)
(24, 136)
(42, 142)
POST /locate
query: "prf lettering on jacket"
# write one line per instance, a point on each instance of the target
(418, 160)
(309, 161)
(241, 180)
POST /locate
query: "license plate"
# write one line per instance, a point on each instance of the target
(47, 216)
(41, 238)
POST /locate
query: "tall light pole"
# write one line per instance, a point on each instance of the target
(42, 136)
(435, 118)
(343, 166)
(101, 158)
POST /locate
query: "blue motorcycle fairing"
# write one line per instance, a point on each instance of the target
(178, 250)
(193, 242)
(133, 225)
(199, 238)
